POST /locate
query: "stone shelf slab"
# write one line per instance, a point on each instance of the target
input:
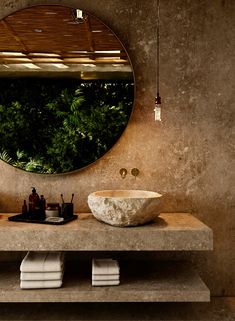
(169, 232)
(164, 282)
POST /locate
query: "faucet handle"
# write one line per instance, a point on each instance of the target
(135, 172)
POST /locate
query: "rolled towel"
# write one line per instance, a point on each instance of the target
(103, 277)
(105, 283)
(49, 284)
(105, 267)
(41, 276)
(42, 262)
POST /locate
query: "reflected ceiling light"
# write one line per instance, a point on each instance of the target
(157, 109)
(38, 30)
(108, 51)
(13, 53)
(89, 65)
(44, 54)
(51, 12)
(6, 66)
(77, 51)
(61, 66)
(31, 66)
(108, 58)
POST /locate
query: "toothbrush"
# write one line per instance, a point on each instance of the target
(72, 198)
(62, 198)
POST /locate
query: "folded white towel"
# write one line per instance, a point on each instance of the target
(40, 284)
(105, 283)
(103, 277)
(42, 262)
(41, 276)
(105, 266)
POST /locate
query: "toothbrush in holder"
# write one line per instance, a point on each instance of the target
(62, 198)
(72, 198)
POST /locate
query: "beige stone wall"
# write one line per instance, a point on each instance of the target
(189, 155)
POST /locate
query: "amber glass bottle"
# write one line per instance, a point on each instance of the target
(24, 208)
(34, 201)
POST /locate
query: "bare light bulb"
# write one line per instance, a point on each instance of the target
(79, 14)
(157, 109)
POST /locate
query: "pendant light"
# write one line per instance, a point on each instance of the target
(157, 109)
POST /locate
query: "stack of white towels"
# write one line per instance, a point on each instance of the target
(105, 272)
(41, 270)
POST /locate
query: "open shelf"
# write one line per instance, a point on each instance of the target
(141, 281)
(157, 282)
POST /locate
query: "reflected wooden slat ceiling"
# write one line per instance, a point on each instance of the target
(53, 30)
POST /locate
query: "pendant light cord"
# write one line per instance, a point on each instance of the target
(158, 98)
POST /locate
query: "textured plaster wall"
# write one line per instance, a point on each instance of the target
(189, 156)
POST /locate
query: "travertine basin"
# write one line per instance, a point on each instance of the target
(124, 207)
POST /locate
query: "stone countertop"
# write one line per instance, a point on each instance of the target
(168, 232)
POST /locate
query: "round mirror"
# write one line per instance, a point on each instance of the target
(67, 89)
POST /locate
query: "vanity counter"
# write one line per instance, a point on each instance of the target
(169, 232)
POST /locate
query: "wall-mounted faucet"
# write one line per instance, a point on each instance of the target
(134, 172)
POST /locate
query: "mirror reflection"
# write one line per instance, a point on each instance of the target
(67, 89)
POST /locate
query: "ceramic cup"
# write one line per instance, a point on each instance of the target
(52, 213)
(67, 210)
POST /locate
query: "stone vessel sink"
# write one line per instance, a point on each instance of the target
(124, 207)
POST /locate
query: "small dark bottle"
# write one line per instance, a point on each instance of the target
(24, 208)
(42, 206)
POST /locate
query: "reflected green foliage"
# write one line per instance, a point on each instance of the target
(59, 125)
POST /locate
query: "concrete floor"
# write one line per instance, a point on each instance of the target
(219, 309)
